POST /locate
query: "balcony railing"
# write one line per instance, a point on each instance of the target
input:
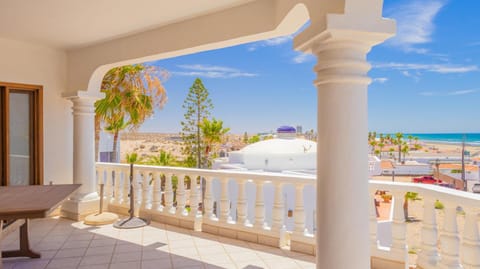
(279, 210)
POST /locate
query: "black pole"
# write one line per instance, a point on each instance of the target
(132, 200)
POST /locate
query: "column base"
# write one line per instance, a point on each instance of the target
(79, 209)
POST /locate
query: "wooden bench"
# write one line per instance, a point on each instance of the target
(6, 228)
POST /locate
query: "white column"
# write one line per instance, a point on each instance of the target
(157, 191)
(193, 196)
(224, 215)
(181, 197)
(85, 200)
(341, 42)
(299, 213)
(259, 206)
(241, 203)
(373, 223)
(168, 194)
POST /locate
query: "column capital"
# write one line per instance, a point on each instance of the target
(83, 96)
(353, 26)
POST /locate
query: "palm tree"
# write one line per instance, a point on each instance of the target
(405, 149)
(212, 134)
(162, 159)
(399, 142)
(132, 93)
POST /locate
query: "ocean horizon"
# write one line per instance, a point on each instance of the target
(450, 138)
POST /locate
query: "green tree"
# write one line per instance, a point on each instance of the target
(162, 159)
(405, 149)
(245, 138)
(398, 140)
(212, 134)
(254, 139)
(197, 105)
(132, 93)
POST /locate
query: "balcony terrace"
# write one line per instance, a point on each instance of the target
(236, 231)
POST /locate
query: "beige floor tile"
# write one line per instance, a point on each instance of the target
(94, 260)
(104, 250)
(64, 263)
(126, 265)
(157, 264)
(126, 257)
(96, 266)
(70, 252)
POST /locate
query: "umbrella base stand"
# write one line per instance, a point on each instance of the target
(130, 223)
(101, 219)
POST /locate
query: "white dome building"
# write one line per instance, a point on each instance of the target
(283, 154)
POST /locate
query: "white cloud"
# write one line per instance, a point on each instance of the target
(303, 58)
(415, 24)
(449, 93)
(380, 80)
(276, 41)
(462, 92)
(211, 71)
(435, 68)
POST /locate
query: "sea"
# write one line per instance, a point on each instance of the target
(472, 139)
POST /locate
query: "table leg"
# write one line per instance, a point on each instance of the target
(24, 250)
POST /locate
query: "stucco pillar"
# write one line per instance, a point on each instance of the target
(85, 200)
(342, 234)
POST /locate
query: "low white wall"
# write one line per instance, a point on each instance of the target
(32, 64)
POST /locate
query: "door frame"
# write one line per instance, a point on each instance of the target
(36, 130)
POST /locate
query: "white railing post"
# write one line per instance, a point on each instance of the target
(168, 193)
(181, 198)
(208, 206)
(299, 213)
(137, 188)
(399, 229)
(193, 196)
(450, 239)
(157, 191)
(118, 187)
(471, 240)
(146, 199)
(278, 213)
(259, 206)
(428, 256)
(224, 201)
(108, 185)
(241, 203)
(373, 222)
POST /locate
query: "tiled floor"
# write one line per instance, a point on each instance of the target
(67, 244)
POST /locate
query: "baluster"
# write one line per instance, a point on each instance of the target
(168, 193)
(278, 211)
(137, 187)
(126, 187)
(224, 201)
(157, 191)
(471, 240)
(193, 196)
(450, 239)
(242, 203)
(398, 250)
(299, 214)
(208, 199)
(428, 256)
(118, 186)
(108, 186)
(145, 191)
(181, 198)
(259, 206)
(373, 222)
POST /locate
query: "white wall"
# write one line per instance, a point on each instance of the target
(30, 64)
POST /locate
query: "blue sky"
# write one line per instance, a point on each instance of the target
(426, 79)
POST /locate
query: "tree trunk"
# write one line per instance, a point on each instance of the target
(97, 137)
(114, 149)
(399, 153)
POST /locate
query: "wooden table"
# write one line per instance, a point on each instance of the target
(28, 202)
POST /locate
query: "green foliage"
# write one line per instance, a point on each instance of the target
(439, 205)
(254, 139)
(197, 107)
(162, 159)
(212, 133)
(456, 171)
(245, 138)
(411, 196)
(132, 93)
(132, 158)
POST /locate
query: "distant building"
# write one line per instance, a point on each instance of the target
(299, 129)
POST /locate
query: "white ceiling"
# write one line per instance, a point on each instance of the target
(71, 24)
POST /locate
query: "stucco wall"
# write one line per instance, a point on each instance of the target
(30, 64)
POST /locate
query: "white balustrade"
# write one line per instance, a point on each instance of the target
(446, 251)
